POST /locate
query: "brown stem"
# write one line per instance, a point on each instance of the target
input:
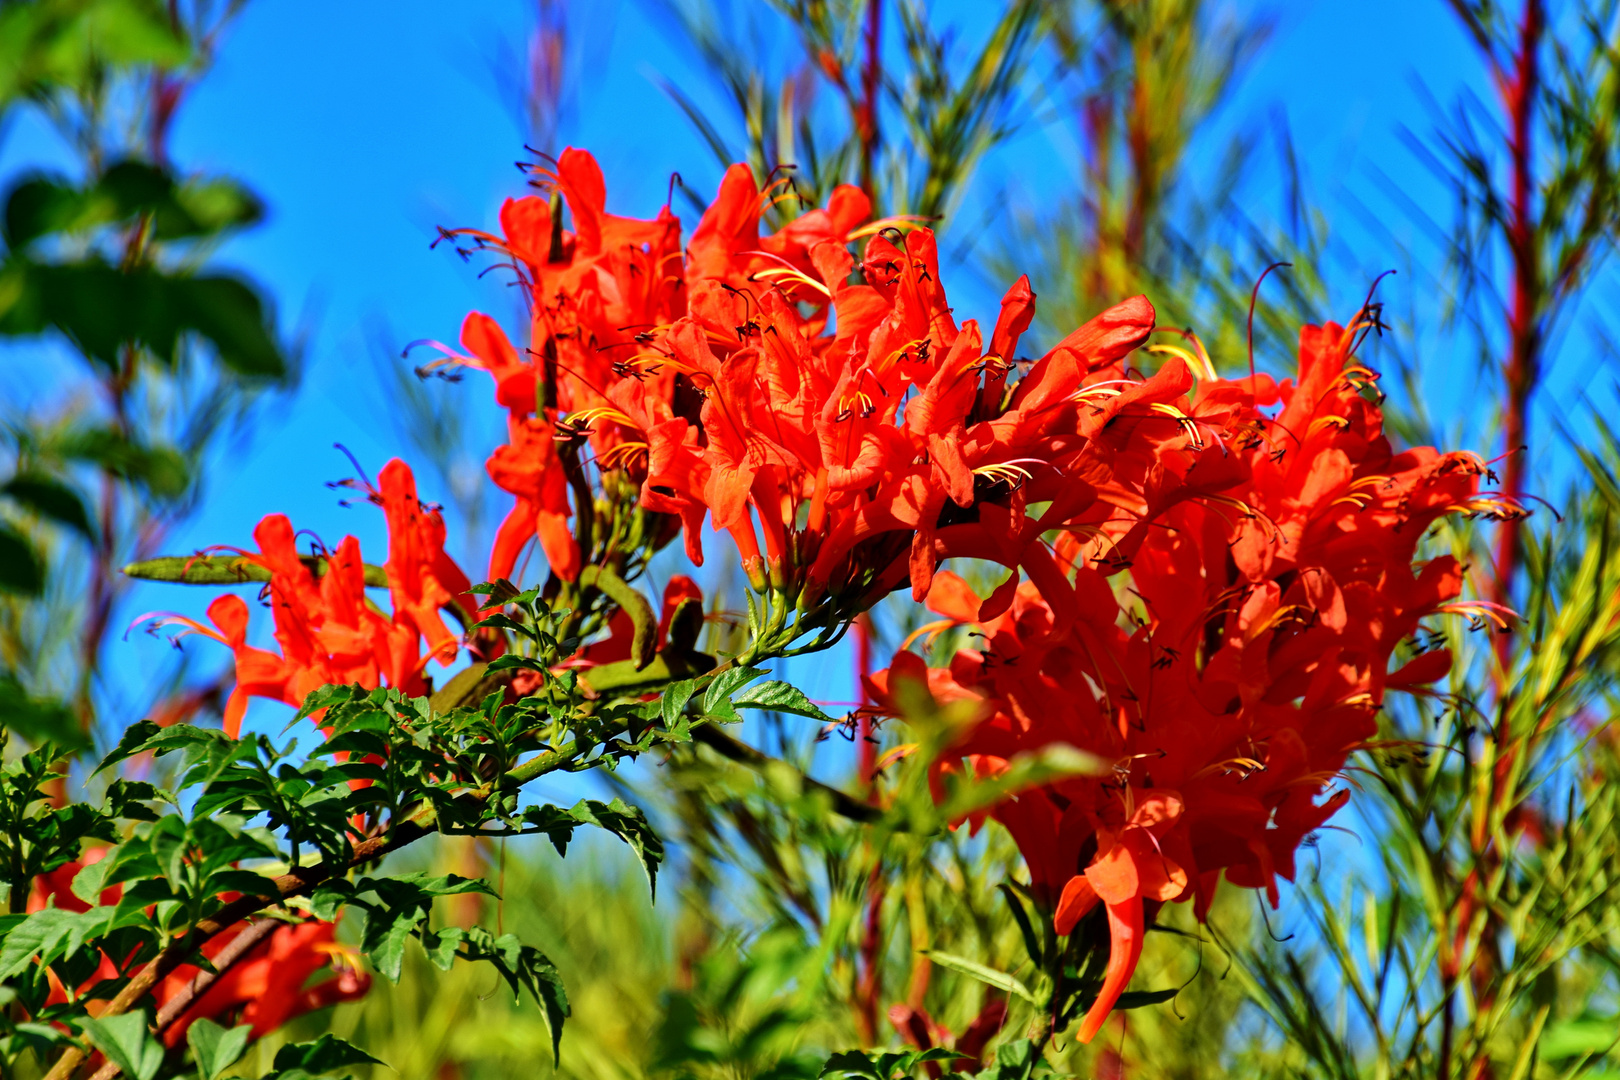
(301, 880)
(226, 959)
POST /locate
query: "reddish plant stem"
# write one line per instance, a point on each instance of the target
(1522, 369)
(1518, 87)
(227, 958)
(866, 114)
(869, 986)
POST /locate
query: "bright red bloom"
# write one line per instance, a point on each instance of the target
(1270, 560)
(329, 632)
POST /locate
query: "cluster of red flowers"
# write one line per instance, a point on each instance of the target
(266, 988)
(770, 377)
(328, 631)
(830, 414)
(1224, 683)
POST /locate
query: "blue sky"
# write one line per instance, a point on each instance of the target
(365, 126)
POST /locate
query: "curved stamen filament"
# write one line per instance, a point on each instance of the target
(621, 455)
(899, 221)
(775, 275)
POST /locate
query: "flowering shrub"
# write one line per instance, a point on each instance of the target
(1201, 594)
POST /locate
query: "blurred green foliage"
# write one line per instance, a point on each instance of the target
(112, 263)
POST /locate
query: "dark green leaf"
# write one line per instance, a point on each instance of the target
(102, 309)
(40, 205)
(1032, 943)
(673, 704)
(1136, 999)
(323, 1055)
(629, 824)
(329, 897)
(229, 313)
(146, 736)
(49, 497)
(441, 947)
(852, 1063)
(21, 568)
(160, 469)
(207, 207)
(512, 660)
(500, 621)
(885, 1066)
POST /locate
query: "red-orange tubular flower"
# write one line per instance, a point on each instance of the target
(328, 630)
(1271, 577)
(826, 412)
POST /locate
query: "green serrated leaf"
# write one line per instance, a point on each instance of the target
(441, 946)
(782, 697)
(514, 660)
(629, 824)
(726, 683)
(500, 621)
(329, 896)
(386, 935)
(672, 706)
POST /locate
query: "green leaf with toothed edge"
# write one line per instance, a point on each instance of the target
(727, 683)
(782, 697)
